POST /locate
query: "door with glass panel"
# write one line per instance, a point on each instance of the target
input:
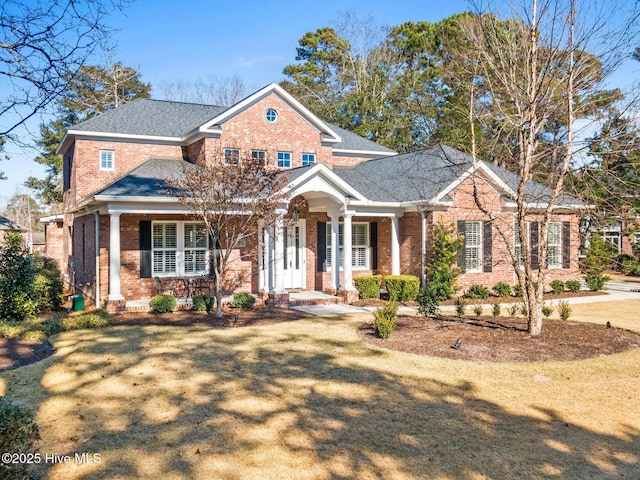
(293, 255)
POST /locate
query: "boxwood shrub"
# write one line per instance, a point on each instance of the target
(163, 303)
(573, 286)
(402, 288)
(243, 300)
(368, 285)
(477, 292)
(557, 286)
(502, 289)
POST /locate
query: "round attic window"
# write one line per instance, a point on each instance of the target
(271, 115)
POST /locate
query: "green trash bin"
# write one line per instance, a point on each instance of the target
(77, 302)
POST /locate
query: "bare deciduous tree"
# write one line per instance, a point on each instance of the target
(232, 196)
(42, 45)
(212, 91)
(530, 79)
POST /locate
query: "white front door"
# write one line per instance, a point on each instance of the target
(294, 255)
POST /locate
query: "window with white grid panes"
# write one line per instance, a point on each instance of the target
(359, 245)
(473, 246)
(554, 246)
(179, 249)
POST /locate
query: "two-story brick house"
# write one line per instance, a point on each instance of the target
(365, 208)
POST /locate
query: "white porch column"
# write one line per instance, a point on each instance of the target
(262, 250)
(114, 257)
(278, 259)
(268, 258)
(347, 253)
(395, 246)
(335, 252)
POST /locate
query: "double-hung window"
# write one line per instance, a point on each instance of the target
(359, 245)
(259, 157)
(165, 248)
(179, 248)
(308, 159)
(517, 246)
(231, 156)
(473, 246)
(106, 160)
(195, 249)
(554, 246)
(284, 159)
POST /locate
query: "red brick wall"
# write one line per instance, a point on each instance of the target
(86, 176)
(83, 271)
(54, 238)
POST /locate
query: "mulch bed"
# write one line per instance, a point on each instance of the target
(502, 339)
(16, 353)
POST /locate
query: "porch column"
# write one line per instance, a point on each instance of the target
(395, 246)
(114, 257)
(347, 253)
(262, 250)
(268, 258)
(279, 253)
(335, 252)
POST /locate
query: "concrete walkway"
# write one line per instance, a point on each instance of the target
(616, 290)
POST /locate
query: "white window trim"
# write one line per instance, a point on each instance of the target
(367, 248)
(264, 155)
(558, 246)
(113, 161)
(180, 250)
(478, 247)
(231, 151)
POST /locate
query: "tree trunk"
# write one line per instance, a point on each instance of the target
(218, 304)
(532, 298)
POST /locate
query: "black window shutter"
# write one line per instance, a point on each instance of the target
(533, 245)
(566, 245)
(373, 242)
(487, 245)
(322, 247)
(462, 258)
(145, 249)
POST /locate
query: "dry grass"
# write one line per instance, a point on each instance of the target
(308, 400)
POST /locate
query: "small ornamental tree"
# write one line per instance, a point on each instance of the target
(599, 258)
(232, 196)
(17, 275)
(442, 270)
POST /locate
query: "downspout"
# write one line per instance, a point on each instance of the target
(96, 214)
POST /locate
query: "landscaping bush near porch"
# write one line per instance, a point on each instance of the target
(368, 285)
(402, 288)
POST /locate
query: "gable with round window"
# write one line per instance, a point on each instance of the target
(271, 115)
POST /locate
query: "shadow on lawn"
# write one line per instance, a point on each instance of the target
(272, 403)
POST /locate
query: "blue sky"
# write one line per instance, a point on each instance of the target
(190, 39)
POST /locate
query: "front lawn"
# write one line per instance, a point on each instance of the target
(308, 399)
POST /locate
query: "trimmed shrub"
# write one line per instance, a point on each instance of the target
(564, 310)
(627, 264)
(385, 319)
(47, 284)
(573, 285)
(461, 307)
(477, 310)
(202, 303)
(427, 302)
(163, 303)
(94, 319)
(495, 311)
(547, 310)
(402, 288)
(557, 286)
(517, 290)
(18, 433)
(368, 285)
(502, 289)
(243, 300)
(17, 273)
(477, 292)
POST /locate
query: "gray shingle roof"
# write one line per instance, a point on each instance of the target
(147, 180)
(352, 141)
(152, 118)
(6, 224)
